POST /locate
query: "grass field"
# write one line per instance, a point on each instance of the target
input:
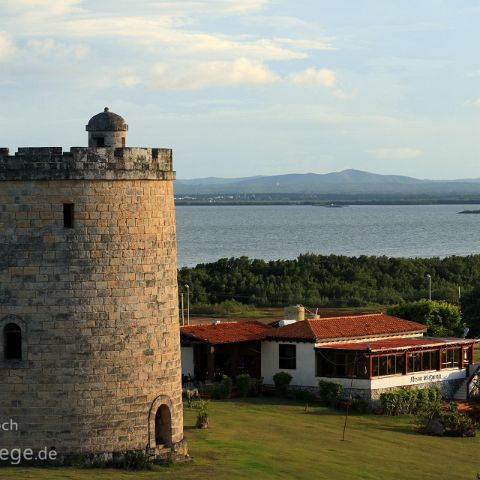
(261, 439)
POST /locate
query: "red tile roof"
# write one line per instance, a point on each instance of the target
(227, 332)
(400, 344)
(375, 324)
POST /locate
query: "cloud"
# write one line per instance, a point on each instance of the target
(209, 74)
(163, 32)
(244, 6)
(314, 76)
(44, 7)
(210, 7)
(7, 49)
(395, 153)
(474, 74)
(475, 103)
(277, 21)
(49, 47)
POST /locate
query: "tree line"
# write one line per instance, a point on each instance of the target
(330, 281)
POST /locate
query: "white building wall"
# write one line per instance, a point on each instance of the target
(187, 361)
(418, 378)
(303, 375)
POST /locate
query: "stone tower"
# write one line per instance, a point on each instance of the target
(89, 347)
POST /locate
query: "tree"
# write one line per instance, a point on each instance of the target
(470, 305)
(441, 318)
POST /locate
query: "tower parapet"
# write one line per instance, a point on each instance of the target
(82, 163)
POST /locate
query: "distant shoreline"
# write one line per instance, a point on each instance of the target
(203, 203)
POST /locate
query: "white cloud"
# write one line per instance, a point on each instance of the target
(44, 7)
(344, 95)
(107, 77)
(209, 74)
(243, 6)
(474, 74)
(475, 103)
(50, 47)
(277, 21)
(315, 76)
(162, 32)
(209, 7)
(7, 48)
(307, 44)
(395, 153)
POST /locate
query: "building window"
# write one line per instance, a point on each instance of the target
(68, 215)
(466, 356)
(384, 365)
(451, 358)
(12, 342)
(423, 361)
(287, 356)
(100, 142)
(340, 364)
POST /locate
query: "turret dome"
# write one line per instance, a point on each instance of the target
(106, 121)
(106, 129)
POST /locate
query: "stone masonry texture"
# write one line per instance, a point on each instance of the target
(97, 302)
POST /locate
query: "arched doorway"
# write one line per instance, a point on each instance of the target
(163, 426)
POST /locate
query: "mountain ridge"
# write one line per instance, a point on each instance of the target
(345, 181)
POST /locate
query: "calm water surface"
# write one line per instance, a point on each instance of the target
(205, 234)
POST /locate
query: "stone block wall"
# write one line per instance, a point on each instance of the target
(97, 302)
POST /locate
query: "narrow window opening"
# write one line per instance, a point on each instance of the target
(123, 141)
(68, 215)
(100, 142)
(12, 338)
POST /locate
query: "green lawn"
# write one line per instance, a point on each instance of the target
(263, 439)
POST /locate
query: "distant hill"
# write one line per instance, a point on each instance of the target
(351, 182)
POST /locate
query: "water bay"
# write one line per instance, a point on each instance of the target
(207, 233)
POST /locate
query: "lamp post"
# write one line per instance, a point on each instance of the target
(182, 309)
(188, 303)
(429, 286)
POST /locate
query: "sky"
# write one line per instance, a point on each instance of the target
(251, 87)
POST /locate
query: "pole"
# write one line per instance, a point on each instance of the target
(349, 396)
(188, 303)
(429, 286)
(182, 309)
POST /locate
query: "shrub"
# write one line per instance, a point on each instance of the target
(409, 400)
(243, 383)
(216, 391)
(282, 381)
(202, 416)
(440, 420)
(226, 386)
(359, 405)
(434, 394)
(329, 392)
(226, 308)
(304, 395)
(136, 460)
(223, 389)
